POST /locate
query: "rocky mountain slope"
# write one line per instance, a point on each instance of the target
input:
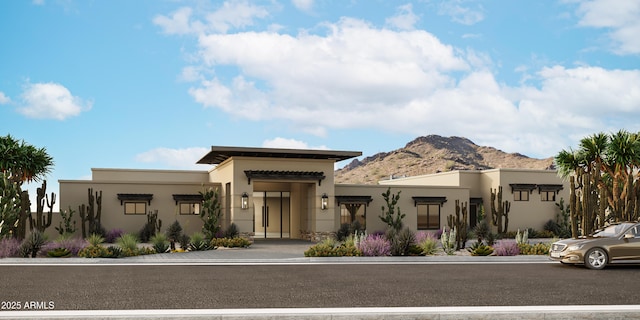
(432, 154)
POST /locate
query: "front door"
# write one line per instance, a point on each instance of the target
(271, 214)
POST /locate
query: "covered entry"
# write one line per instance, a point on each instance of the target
(272, 214)
(277, 193)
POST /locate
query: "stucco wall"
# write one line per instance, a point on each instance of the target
(73, 193)
(405, 203)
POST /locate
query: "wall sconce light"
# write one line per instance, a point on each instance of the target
(324, 204)
(244, 201)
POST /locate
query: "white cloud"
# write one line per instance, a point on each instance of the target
(355, 67)
(285, 143)
(622, 18)
(303, 5)
(178, 22)
(174, 158)
(233, 14)
(461, 14)
(406, 81)
(51, 101)
(3, 98)
(404, 19)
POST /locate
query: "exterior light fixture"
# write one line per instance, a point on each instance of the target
(324, 204)
(244, 201)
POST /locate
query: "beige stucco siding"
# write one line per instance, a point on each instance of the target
(406, 203)
(74, 193)
(137, 175)
(533, 213)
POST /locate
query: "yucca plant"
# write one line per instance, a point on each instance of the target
(160, 243)
(198, 242)
(129, 244)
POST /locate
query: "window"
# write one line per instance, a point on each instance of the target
(135, 203)
(520, 195)
(190, 207)
(188, 203)
(428, 216)
(351, 212)
(548, 195)
(135, 208)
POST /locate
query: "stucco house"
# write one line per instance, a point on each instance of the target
(291, 194)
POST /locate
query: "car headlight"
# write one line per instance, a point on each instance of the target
(575, 247)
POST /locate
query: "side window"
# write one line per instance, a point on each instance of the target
(190, 208)
(135, 207)
(520, 195)
(548, 195)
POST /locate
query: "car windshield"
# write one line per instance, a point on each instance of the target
(612, 230)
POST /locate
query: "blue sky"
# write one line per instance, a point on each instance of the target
(153, 84)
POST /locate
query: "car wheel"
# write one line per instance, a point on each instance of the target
(596, 258)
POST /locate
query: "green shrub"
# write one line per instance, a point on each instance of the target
(534, 249)
(95, 239)
(128, 242)
(230, 243)
(93, 251)
(174, 233)
(415, 250)
(332, 249)
(184, 241)
(232, 231)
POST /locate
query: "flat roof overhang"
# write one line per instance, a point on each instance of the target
(218, 154)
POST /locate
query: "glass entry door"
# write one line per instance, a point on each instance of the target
(271, 214)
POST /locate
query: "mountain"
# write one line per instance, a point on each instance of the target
(433, 154)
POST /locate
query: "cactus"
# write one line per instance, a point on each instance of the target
(455, 222)
(65, 224)
(391, 216)
(448, 241)
(41, 222)
(9, 205)
(501, 213)
(91, 214)
(151, 228)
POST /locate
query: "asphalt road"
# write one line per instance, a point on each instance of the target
(317, 286)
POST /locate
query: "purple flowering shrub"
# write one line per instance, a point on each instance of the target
(9, 247)
(374, 246)
(113, 235)
(506, 248)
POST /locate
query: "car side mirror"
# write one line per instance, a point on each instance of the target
(629, 236)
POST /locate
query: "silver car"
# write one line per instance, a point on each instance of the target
(617, 243)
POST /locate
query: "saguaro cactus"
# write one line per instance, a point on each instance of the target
(41, 222)
(91, 213)
(460, 224)
(501, 212)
